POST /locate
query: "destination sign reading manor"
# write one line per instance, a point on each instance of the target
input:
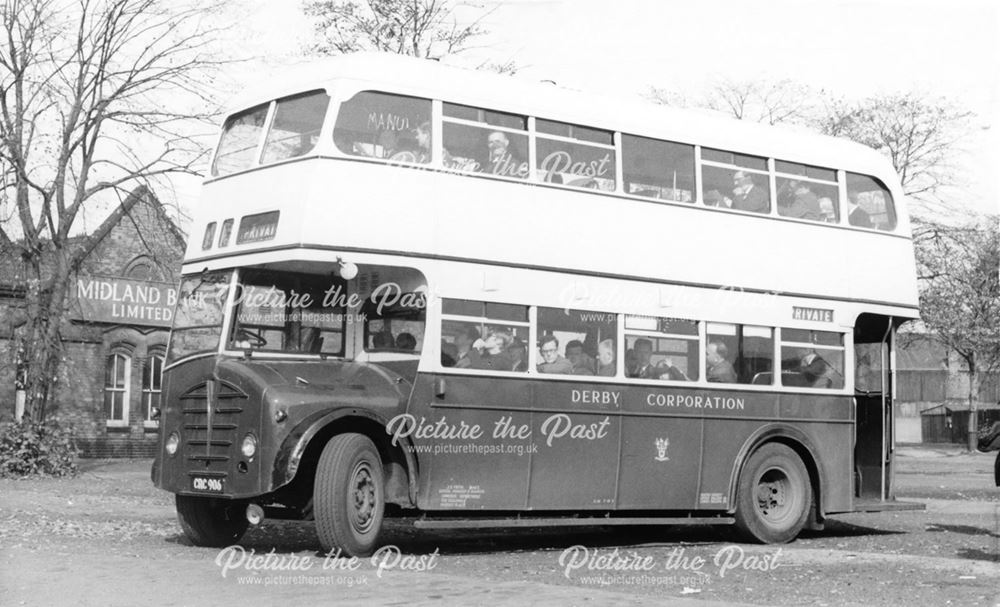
(120, 301)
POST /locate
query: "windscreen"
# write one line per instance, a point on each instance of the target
(198, 317)
(288, 312)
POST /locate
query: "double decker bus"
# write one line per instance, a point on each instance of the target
(415, 290)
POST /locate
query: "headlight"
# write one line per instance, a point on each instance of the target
(249, 446)
(172, 442)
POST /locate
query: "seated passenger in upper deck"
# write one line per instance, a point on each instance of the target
(857, 216)
(748, 196)
(552, 362)
(802, 203)
(501, 159)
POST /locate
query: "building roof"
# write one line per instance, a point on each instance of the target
(12, 267)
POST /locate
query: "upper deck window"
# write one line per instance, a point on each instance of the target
(658, 169)
(295, 128)
(574, 155)
(807, 192)
(379, 125)
(485, 141)
(735, 181)
(240, 136)
(869, 203)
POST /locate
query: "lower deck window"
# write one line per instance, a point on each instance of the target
(739, 354)
(812, 359)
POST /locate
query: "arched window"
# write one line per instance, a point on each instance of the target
(152, 383)
(117, 376)
(142, 267)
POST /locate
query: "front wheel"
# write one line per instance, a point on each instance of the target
(210, 521)
(774, 495)
(349, 496)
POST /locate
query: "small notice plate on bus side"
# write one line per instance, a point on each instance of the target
(257, 228)
(201, 483)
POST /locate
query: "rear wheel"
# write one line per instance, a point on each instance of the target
(774, 495)
(210, 521)
(349, 495)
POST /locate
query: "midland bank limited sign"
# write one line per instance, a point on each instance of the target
(119, 301)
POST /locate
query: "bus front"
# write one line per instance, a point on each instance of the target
(279, 345)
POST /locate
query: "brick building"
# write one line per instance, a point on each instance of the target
(115, 333)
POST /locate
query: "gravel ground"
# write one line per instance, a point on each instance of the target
(109, 537)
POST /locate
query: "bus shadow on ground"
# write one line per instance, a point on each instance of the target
(289, 537)
(834, 528)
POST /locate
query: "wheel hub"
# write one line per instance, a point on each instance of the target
(363, 497)
(773, 499)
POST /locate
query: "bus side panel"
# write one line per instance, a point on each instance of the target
(459, 471)
(832, 441)
(577, 430)
(661, 457)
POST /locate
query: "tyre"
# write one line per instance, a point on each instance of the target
(349, 495)
(774, 495)
(209, 521)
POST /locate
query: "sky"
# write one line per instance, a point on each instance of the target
(848, 48)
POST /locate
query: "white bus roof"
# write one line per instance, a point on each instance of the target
(421, 77)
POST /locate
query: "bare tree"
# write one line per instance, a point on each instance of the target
(82, 82)
(420, 28)
(960, 296)
(918, 133)
(769, 102)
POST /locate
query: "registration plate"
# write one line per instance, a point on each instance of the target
(201, 483)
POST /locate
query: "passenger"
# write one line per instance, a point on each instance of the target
(491, 353)
(383, 339)
(417, 147)
(629, 362)
(819, 373)
(406, 341)
(747, 196)
(606, 359)
(583, 363)
(714, 198)
(518, 351)
(856, 216)
(464, 341)
(665, 369)
(552, 362)
(643, 368)
(423, 135)
(828, 210)
(804, 204)
(449, 354)
(719, 368)
(503, 161)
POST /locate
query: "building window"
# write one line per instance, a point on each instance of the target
(152, 382)
(117, 374)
